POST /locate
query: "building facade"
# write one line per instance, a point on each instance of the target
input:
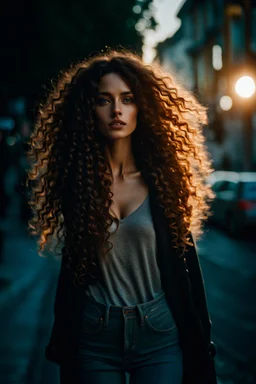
(214, 47)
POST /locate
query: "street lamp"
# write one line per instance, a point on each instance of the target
(245, 87)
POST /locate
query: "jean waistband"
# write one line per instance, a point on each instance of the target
(138, 308)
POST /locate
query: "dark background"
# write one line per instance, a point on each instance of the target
(39, 38)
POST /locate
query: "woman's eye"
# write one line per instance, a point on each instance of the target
(102, 101)
(128, 100)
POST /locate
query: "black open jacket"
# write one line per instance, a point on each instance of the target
(182, 282)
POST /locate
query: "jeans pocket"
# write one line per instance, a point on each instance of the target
(159, 319)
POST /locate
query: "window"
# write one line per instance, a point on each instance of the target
(249, 190)
(237, 34)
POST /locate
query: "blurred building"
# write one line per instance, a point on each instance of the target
(213, 48)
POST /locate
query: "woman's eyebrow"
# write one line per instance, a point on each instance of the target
(109, 94)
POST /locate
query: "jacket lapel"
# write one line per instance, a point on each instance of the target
(184, 290)
(176, 278)
(172, 267)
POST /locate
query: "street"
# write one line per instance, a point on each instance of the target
(229, 268)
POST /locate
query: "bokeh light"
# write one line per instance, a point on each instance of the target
(137, 9)
(217, 57)
(226, 103)
(245, 86)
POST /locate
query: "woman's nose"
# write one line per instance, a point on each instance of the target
(116, 109)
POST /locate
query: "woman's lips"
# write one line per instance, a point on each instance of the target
(117, 125)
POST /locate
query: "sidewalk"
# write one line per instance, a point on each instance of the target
(27, 288)
(229, 267)
(20, 266)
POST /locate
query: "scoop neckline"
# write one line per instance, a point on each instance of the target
(133, 212)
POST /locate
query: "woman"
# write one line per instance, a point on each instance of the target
(119, 169)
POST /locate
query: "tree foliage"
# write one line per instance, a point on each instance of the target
(48, 35)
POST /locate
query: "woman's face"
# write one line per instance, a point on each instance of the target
(116, 111)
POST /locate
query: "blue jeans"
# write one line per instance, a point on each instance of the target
(112, 343)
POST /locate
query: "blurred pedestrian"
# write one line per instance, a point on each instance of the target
(119, 166)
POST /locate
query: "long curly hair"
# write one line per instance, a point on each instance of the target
(70, 193)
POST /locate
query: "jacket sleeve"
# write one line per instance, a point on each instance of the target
(54, 348)
(198, 293)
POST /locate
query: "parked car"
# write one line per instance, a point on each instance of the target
(234, 206)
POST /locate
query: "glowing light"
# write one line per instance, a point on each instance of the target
(217, 57)
(137, 9)
(226, 103)
(147, 14)
(245, 86)
(141, 25)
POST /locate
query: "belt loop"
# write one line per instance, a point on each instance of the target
(140, 315)
(107, 315)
